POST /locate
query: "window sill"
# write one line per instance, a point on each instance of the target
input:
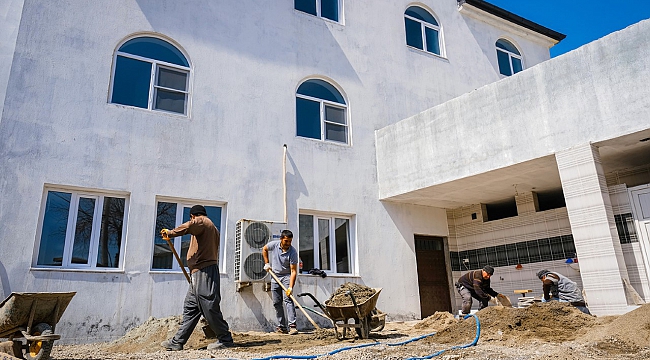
(333, 275)
(302, 13)
(80, 270)
(153, 112)
(420, 51)
(325, 142)
(173, 272)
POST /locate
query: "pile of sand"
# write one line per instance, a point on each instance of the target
(628, 332)
(436, 322)
(340, 297)
(553, 322)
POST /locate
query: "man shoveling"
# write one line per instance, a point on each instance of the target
(282, 258)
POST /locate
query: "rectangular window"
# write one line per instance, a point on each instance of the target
(326, 243)
(625, 228)
(82, 230)
(169, 215)
(328, 9)
(170, 90)
(413, 33)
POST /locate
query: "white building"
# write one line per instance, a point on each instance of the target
(406, 145)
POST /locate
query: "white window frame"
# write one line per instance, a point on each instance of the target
(153, 79)
(319, 11)
(331, 217)
(73, 212)
(324, 121)
(423, 34)
(177, 241)
(510, 56)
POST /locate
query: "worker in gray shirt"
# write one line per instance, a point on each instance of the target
(282, 258)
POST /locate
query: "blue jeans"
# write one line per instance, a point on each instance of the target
(282, 301)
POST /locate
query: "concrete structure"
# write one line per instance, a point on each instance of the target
(391, 182)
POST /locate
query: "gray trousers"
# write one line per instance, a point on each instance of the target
(282, 301)
(467, 295)
(203, 298)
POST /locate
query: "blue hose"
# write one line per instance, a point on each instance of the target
(478, 333)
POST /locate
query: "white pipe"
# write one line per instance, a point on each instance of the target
(284, 181)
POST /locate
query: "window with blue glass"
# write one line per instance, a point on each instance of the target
(82, 230)
(321, 112)
(509, 58)
(169, 215)
(152, 74)
(329, 9)
(422, 30)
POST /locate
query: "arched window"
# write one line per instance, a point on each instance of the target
(151, 73)
(321, 112)
(509, 58)
(422, 30)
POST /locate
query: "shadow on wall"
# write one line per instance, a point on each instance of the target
(4, 280)
(297, 186)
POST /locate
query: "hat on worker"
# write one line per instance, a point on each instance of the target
(542, 273)
(488, 269)
(198, 210)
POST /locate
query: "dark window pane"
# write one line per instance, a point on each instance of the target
(522, 253)
(336, 133)
(321, 90)
(506, 45)
(548, 200)
(154, 48)
(131, 82)
(556, 248)
(516, 65)
(306, 229)
(413, 33)
(165, 219)
(55, 223)
(420, 13)
(501, 210)
(83, 231)
(308, 6)
(433, 43)
(504, 63)
(110, 237)
(185, 239)
(330, 9)
(308, 118)
(170, 101)
(342, 235)
(324, 243)
(334, 114)
(172, 79)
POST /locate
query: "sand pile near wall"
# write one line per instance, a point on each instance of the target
(437, 322)
(627, 333)
(553, 322)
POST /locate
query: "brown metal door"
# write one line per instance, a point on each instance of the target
(432, 275)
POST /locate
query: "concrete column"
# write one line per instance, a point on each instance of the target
(602, 266)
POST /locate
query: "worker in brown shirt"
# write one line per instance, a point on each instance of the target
(476, 284)
(203, 296)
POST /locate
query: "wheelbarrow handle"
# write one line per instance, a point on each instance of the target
(313, 298)
(354, 301)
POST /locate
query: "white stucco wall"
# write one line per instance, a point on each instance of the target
(247, 61)
(572, 99)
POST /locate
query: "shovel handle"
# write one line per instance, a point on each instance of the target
(294, 299)
(178, 258)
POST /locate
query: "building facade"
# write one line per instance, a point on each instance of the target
(119, 116)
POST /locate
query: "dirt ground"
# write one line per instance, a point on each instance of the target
(542, 331)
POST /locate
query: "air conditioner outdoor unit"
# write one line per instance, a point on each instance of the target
(250, 238)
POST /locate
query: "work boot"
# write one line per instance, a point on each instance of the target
(167, 344)
(281, 330)
(293, 330)
(219, 345)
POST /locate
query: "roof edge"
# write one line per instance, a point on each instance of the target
(515, 19)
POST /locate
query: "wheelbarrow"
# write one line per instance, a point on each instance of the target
(29, 320)
(366, 316)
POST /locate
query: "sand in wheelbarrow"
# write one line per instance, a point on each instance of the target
(360, 292)
(547, 322)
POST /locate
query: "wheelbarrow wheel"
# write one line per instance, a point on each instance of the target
(39, 350)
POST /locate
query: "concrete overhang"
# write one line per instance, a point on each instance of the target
(502, 138)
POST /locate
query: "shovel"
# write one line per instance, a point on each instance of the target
(294, 299)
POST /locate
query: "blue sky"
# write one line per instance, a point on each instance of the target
(582, 21)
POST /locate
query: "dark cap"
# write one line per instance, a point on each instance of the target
(541, 273)
(488, 269)
(197, 210)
